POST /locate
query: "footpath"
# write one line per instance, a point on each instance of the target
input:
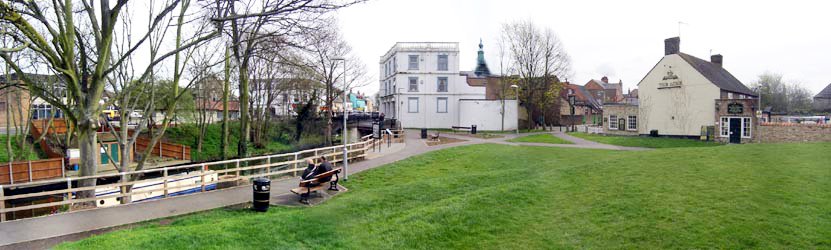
(45, 232)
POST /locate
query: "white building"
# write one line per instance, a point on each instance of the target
(683, 95)
(422, 87)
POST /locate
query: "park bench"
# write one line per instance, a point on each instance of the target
(307, 187)
(460, 128)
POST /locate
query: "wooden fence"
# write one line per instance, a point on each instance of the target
(29, 171)
(163, 149)
(228, 171)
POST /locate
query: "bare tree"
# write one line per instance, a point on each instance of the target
(325, 45)
(540, 61)
(78, 44)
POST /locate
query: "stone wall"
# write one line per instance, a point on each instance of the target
(790, 132)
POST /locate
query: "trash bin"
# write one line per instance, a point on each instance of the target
(653, 133)
(473, 129)
(424, 133)
(262, 194)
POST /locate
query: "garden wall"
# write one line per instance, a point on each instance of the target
(790, 132)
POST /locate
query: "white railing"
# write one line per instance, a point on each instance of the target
(236, 169)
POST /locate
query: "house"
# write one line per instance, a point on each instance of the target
(822, 101)
(16, 104)
(631, 97)
(604, 91)
(683, 95)
(620, 119)
(421, 86)
(587, 109)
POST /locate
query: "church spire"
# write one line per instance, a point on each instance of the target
(481, 66)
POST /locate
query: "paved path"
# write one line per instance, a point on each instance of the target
(47, 231)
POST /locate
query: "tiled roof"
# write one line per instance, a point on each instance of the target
(825, 93)
(717, 75)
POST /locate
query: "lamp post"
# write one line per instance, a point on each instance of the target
(343, 138)
(516, 91)
(571, 99)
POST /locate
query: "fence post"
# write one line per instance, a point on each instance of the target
(69, 193)
(294, 173)
(30, 170)
(124, 187)
(166, 192)
(11, 174)
(183, 151)
(2, 205)
(238, 176)
(63, 169)
(160, 149)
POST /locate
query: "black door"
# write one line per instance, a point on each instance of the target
(735, 130)
(621, 124)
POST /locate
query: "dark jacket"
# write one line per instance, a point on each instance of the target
(309, 172)
(323, 168)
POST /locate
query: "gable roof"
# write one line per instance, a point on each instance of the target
(717, 75)
(825, 93)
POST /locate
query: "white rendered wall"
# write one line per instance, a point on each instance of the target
(486, 114)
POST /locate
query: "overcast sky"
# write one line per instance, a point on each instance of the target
(619, 39)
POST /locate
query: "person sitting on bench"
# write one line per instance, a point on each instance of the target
(309, 172)
(325, 166)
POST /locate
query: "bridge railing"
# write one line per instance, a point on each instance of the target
(210, 176)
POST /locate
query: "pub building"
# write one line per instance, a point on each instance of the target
(685, 96)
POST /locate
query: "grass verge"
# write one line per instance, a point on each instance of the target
(770, 196)
(644, 142)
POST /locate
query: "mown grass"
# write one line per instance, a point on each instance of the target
(769, 196)
(541, 138)
(645, 142)
(20, 153)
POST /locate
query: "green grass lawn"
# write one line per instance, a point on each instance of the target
(20, 153)
(769, 196)
(541, 138)
(645, 142)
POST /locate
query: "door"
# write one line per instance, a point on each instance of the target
(621, 124)
(114, 152)
(735, 130)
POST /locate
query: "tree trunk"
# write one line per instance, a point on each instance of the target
(245, 128)
(90, 153)
(225, 92)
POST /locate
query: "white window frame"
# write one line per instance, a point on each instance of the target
(439, 105)
(632, 119)
(412, 65)
(410, 107)
(613, 122)
(438, 84)
(412, 84)
(439, 63)
(746, 126)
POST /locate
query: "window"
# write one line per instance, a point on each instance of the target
(441, 105)
(612, 122)
(442, 65)
(412, 105)
(413, 65)
(442, 85)
(729, 95)
(632, 123)
(746, 127)
(413, 84)
(725, 127)
(570, 91)
(386, 69)
(394, 65)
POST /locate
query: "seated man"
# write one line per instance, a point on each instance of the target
(325, 166)
(310, 170)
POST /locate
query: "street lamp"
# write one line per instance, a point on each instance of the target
(343, 138)
(571, 99)
(516, 91)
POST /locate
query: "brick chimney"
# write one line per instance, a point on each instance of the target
(717, 59)
(672, 45)
(604, 79)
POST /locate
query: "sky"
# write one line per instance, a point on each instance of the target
(619, 39)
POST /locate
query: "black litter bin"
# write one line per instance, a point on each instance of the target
(653, 133)
(473, 129)
(424, 133)
(262, 194)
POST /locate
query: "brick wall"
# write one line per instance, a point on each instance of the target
(620, 111)
(789, 132)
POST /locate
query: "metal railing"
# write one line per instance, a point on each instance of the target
(234, 170)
